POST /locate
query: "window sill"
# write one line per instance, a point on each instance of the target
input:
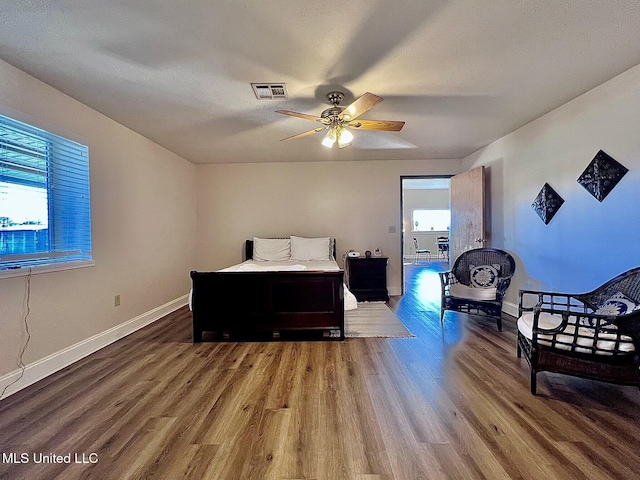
(36, 270)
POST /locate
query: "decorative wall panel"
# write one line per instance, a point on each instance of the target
(602, 175)
(547, 203)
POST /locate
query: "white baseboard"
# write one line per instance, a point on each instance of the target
(510, 309)
(57, 361)
(394, 290)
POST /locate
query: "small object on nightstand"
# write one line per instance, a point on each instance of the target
(367, 254)
(377, 252)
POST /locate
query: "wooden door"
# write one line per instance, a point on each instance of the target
(467, 212)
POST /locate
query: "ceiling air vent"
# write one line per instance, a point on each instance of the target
(269, 91)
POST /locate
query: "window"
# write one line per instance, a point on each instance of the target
(45, 213)
(424, 220)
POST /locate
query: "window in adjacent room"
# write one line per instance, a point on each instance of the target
(45, 212)
(430, 220)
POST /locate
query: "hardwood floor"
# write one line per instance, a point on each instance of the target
(451, 403)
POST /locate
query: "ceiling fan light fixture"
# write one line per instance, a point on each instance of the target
(345, 137)
(337, 120)
(330, 138)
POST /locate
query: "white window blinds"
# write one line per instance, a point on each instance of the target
(45, 208)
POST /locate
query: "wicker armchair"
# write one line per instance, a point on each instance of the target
(477, 283)
(593, 335)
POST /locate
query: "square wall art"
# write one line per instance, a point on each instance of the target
(602, 175)
(547, 203)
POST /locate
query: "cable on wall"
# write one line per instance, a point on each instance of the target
(27, 310)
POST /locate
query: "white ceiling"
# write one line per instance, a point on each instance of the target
(461, 73)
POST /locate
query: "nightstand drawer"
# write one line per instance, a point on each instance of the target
(367, 278)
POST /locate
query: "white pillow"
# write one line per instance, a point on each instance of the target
(473, 293)
(619, 304)
(484, 276)
(306, 249)
(271, 249)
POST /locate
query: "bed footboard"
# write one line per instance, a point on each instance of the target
(268, 305)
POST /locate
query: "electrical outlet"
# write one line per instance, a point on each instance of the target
(116, 300)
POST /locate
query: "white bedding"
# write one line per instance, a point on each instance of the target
(283, 266)
(350, 301)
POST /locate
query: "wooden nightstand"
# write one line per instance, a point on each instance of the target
(367, 278)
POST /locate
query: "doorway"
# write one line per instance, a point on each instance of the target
(425, 212)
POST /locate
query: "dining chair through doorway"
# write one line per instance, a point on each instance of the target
(420, 251)
(443, 247)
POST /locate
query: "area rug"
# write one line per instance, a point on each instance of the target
(373, 320)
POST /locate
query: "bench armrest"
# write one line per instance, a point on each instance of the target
(550, 302)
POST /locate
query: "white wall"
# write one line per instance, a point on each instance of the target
(587, 242)
(356, 202)
(143, 204)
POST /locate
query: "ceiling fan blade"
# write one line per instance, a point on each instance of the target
(386, 125)
(300, 115)
(363, 104)
(303, 134)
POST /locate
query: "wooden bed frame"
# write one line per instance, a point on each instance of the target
(234, 306)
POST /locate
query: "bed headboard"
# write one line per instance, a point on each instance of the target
(248, 248)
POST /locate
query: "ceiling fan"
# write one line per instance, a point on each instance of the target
(338, 120)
